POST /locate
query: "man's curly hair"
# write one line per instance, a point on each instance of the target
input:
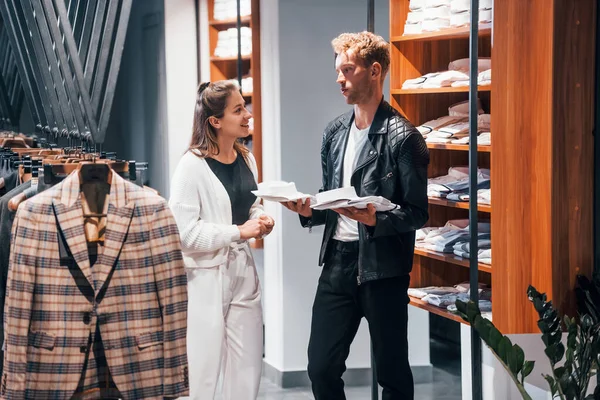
(367, 46)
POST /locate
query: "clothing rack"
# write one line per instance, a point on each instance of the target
(72, 102)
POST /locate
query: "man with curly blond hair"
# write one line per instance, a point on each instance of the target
(366, 254)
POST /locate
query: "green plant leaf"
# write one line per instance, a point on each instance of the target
(552, 384)
(555, 352)
(504, 349)
(516, 358)
(527, 368)
(495, 337)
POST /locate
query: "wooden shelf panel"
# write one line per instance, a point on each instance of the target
(462, 89)
(457, 147)
(451, 259)
(436, 310)
(458, 204)
(247, 94)
(445, 34)
(229, 59)
(229, 23)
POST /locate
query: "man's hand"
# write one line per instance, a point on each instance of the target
(299, 207)
(364, 216)
(268, 222)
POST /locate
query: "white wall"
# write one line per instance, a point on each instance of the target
(182, 76)
(300, 96)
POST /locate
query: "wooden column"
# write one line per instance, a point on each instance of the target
(542, 163)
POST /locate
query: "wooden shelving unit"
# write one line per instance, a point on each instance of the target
(540, 236)
(226, 68)
(413, 56)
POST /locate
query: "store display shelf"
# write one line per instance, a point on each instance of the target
(229, 23)
(458, 147)
(451, 258)
(227, 59)
(436, 310)
(445, 34)
(457, 204)
(461, 89)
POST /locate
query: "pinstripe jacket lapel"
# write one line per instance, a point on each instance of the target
(120, 212)
(69, 216)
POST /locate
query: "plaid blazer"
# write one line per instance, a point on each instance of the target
(135, 293)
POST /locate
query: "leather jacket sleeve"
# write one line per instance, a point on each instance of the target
(318, 216)
(412, 158)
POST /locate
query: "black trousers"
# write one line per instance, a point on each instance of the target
(340, 304)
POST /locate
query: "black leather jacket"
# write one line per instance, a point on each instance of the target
(393, 164)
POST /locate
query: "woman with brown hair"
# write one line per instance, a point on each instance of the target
(217, 214)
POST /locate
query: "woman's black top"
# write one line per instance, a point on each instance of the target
(238, 181)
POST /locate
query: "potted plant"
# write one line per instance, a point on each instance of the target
(574, 365)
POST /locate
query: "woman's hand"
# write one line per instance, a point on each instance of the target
(269, 223)
(252, 229)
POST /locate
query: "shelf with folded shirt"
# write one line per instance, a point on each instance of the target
(435, 310)
(486, 208)
(231, 58)
(452, 259)
(448, 89)
(485, 29)
(457, 147)
(230, 22)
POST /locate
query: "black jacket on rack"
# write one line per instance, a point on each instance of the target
(392, 164)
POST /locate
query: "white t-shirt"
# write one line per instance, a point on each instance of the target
(347, 229)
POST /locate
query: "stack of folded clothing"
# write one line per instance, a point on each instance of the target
(436, 15)
(415, 17)
(456, 181)
(227, 42)
(457, 75)
(227, 9)
(484, 252)
(484, 196)
(444, 238)
(446, 296)
(484, 137)
(460, 14)
(456, 113)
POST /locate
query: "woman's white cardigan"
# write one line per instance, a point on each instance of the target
(202, 210)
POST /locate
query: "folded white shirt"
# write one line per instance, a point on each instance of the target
(485, 77)
(413, 28)
(417, 83)
(436, 3)
(416, 4)
(445, 79)
(457, 6)
(429, 126)
(433, 25)
(485, 16)
(430, 13)
(279, 191)
(415, 17)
